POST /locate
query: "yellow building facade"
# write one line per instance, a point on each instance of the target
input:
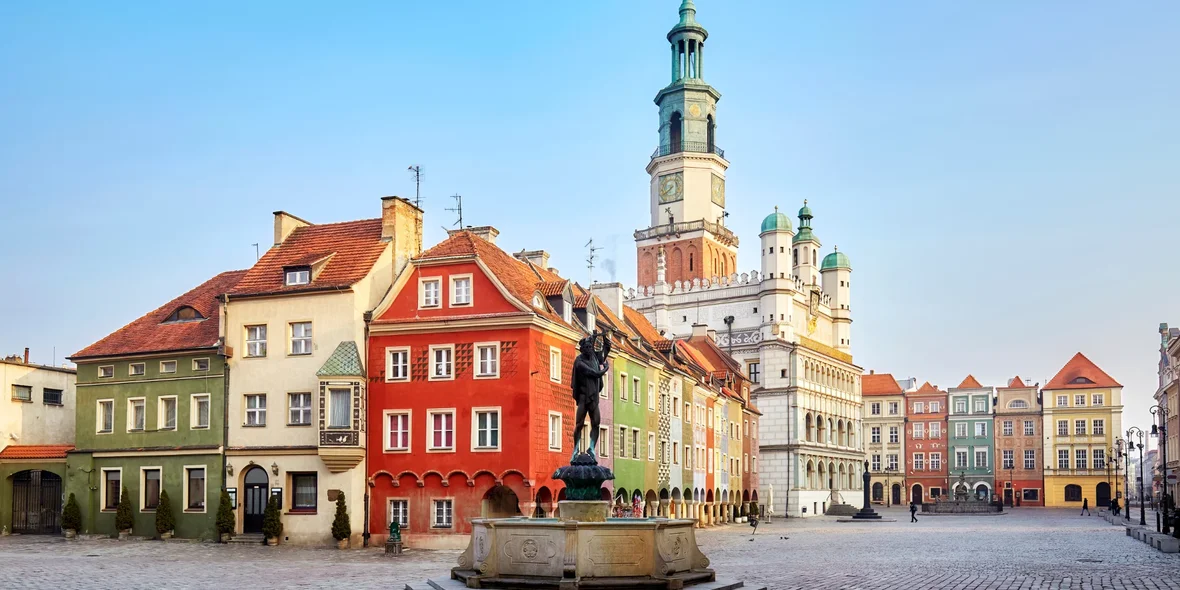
(1083, 409)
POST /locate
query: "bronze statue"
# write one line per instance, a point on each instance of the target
(589, 367)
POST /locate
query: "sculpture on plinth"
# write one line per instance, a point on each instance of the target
(866, 513)
(583, 477)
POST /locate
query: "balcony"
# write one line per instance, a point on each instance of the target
(720, 231)
(688, 146)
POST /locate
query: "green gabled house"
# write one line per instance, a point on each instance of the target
(151, 417)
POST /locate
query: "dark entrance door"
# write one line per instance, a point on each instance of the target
(36, 502)
(896, 494)
(1007, 496)
(916, 494)
(256, 497)
(1102, 492)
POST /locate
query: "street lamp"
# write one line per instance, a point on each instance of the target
(1138, 431)
(1161, 430)
(1126, 475)
(1116, 453)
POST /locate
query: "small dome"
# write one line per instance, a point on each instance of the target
(804, 235)
(836, 260)
(776, 222)
(805, 211)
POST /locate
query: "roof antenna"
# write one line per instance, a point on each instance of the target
(255, 244)
(590, 259)
(417, 171)
(458, 208)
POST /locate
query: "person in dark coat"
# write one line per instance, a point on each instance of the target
(913, 512)
(1085, 507)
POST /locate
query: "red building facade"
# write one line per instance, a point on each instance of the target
(927, 406)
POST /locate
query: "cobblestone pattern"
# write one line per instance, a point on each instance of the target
(1035, 548)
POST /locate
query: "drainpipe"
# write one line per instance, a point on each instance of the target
(368, 317)
(221, 349)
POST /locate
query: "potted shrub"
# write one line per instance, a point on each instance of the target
(225, 517)
(165, 522)
(123, 519)
(341, 529)
(71, 517)
(272, 525)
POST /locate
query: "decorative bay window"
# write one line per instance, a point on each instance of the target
(341, 415)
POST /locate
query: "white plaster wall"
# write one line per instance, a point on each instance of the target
(35, 423)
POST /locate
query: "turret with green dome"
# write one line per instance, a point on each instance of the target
(805, 225)
(776, 222)
(836, 260)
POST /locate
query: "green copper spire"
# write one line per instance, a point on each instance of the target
(688, 13)
(805, 225)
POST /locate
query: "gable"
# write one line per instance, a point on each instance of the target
(486, 296)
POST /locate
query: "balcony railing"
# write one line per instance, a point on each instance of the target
(688, 146)
(722, 232)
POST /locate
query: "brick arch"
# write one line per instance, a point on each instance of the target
(675, 269)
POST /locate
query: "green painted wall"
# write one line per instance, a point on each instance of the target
(686, 433)
(630, 473)
(7, 470)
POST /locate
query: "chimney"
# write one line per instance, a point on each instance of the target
(486, 232)
(538, 258)
(26, 355)
(712, 334)
(285, 223)
(700, 330)
(872, 372)
(401, 225)
(611, 295)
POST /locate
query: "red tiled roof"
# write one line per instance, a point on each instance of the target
(969, 383)
(354, 247)
(643, 327)
(695, 355)
(1081, 373)
(879, 384)
(149, 333)
(552, 288)
(1016, 383)
(720, 360)
(35, 451)
(582, 300)
(927, 388)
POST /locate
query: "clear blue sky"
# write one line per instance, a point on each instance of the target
(1004, 175)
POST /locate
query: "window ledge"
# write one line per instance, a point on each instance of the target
(298, 425)
(253, 426)
(294, 512)
(194, 511)
(27, 401)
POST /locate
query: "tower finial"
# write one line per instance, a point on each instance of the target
(688, 12)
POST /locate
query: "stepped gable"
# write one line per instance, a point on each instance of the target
(346, 251)
(970, 382)
(879, 384)
(1081, 373)
(153, 332)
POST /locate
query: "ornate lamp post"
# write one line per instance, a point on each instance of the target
(1126, 476)
(1116, 453)
(1161, 430)
(1142, 510)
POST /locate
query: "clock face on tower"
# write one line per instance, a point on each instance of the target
(671, 187)
(718, 191)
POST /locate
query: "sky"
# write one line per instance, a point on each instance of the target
(1003, 175)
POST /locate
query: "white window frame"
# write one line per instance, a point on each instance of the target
(894, 408)
(450, 511)
(98, 416)
(102, 500)
(635, 394)
(422, 301)
(259, 411)
(934, 407)
(1079, 400)
(960, 430)
(292, 339)
(1007, 458)
(919, 430)
(1099, 424)
(935, 461)
(651, 446)
(430, 414)
(1030, 462)
(184, 497)
(651, 396)
(1084, 427)
(1030, 428)
(966, 464)
(310, 408)
(143, 486)
(978, 406)
(987, 460)
(555, 364)
(981, 430)
(293, 278)
(919, 408)
(193, 413)
(477, 349)
(1097, 400)
(552, 436)
(603, 441)
(163, 369)
(1007, 427)
(431, 376)
(328, 409)
(1063, 458)
(131, 369)
(475, 412)
(891, 462)
(1061, 423)
(1063, 401)
(197, 368)
(675, 452)
(161, 422)
(108, 369)
(131, 414)
(894, 435)
(387, 434)
(622, 387)
(875, 434)
(389, 512)
(634, 443)
(919, 461)
(454, 302)
(260, 344)
(389, 352)
(875, 409)
(935, 430)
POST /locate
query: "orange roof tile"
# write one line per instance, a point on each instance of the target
(35, 451)
(1016, 383)
(150, 333)
(552, 288)
(879, 384)
(970, 383)
(928, 388)
(1081, 373)
(352, 247)
(642, 326)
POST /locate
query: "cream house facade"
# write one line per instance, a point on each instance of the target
(884, 435)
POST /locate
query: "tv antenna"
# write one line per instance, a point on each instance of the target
(458, 208)
(417, 173)
(591, 258)
(255, 244)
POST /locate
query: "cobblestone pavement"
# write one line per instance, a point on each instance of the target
(1030, 548)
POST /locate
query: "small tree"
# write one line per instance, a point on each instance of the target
(123, 519)
(71, 515)
(341, 529)
(272, 525)
(225, 515)
(165, 521)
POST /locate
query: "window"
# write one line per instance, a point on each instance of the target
(936, 430)
(919, 430)
(397, 431)
(1099, 458)
(622, 450)
(919, 461)
(1097, 399)
(167, 366)
(397, 364)
(1008, 458)
(753, 370)
(1079, 459)
(603, 441)
(622, 385)
(634, 443)
(960, 429)
(51, 396)
(1018, 404)
(980, 405)
(255, 341)
(935, 461)
(442, 363)
(1073, 493)
(934, 407)
(111, 488)
(194, 489)
(299, 409)
(461, 290)
(399, 512)
(980, 429)
(200, 365)
(106, 371)
(1079, 400)
(651, 446)
(635, 390)
(876, 463)
(1079, 427)
(488, 355)
(1099, 427)
(1029, 428)
(199, 411)
(305, 497)
(555, 367)
(339, 407)
(1030, 494)
(106, 415)
(676, 406)
(980, 459)
(256, 409)
(919, 407)
(960, 459)
(136, 414)
(298, 276)
(150, 497)
(1063, 428)
(893, 434)
(675, 453)
(651, 396)
(442, 430)
(554, 431)
(894, 408)
(429, 291)
(875, 408)
(301, 338)
(442, 514)
(487, 428)
(1030, 459)
(136, 369)
(1063, 458)
(1062, 401)
(166, 413)
(1008, 428)
(892, 462)
(875, 435)
(961, 406)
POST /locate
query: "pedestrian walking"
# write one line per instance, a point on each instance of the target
(913, 512)
(1085, 507)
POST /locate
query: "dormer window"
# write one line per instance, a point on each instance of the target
(538, 302)
(185, 314)
(300, 275)
(1082, 381)
(567, 312)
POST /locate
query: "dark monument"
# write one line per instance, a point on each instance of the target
(866, 513)
(583, 477)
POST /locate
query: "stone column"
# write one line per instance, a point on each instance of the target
(675, 63)
(664, 504)
(528, 509)
(701, 60)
